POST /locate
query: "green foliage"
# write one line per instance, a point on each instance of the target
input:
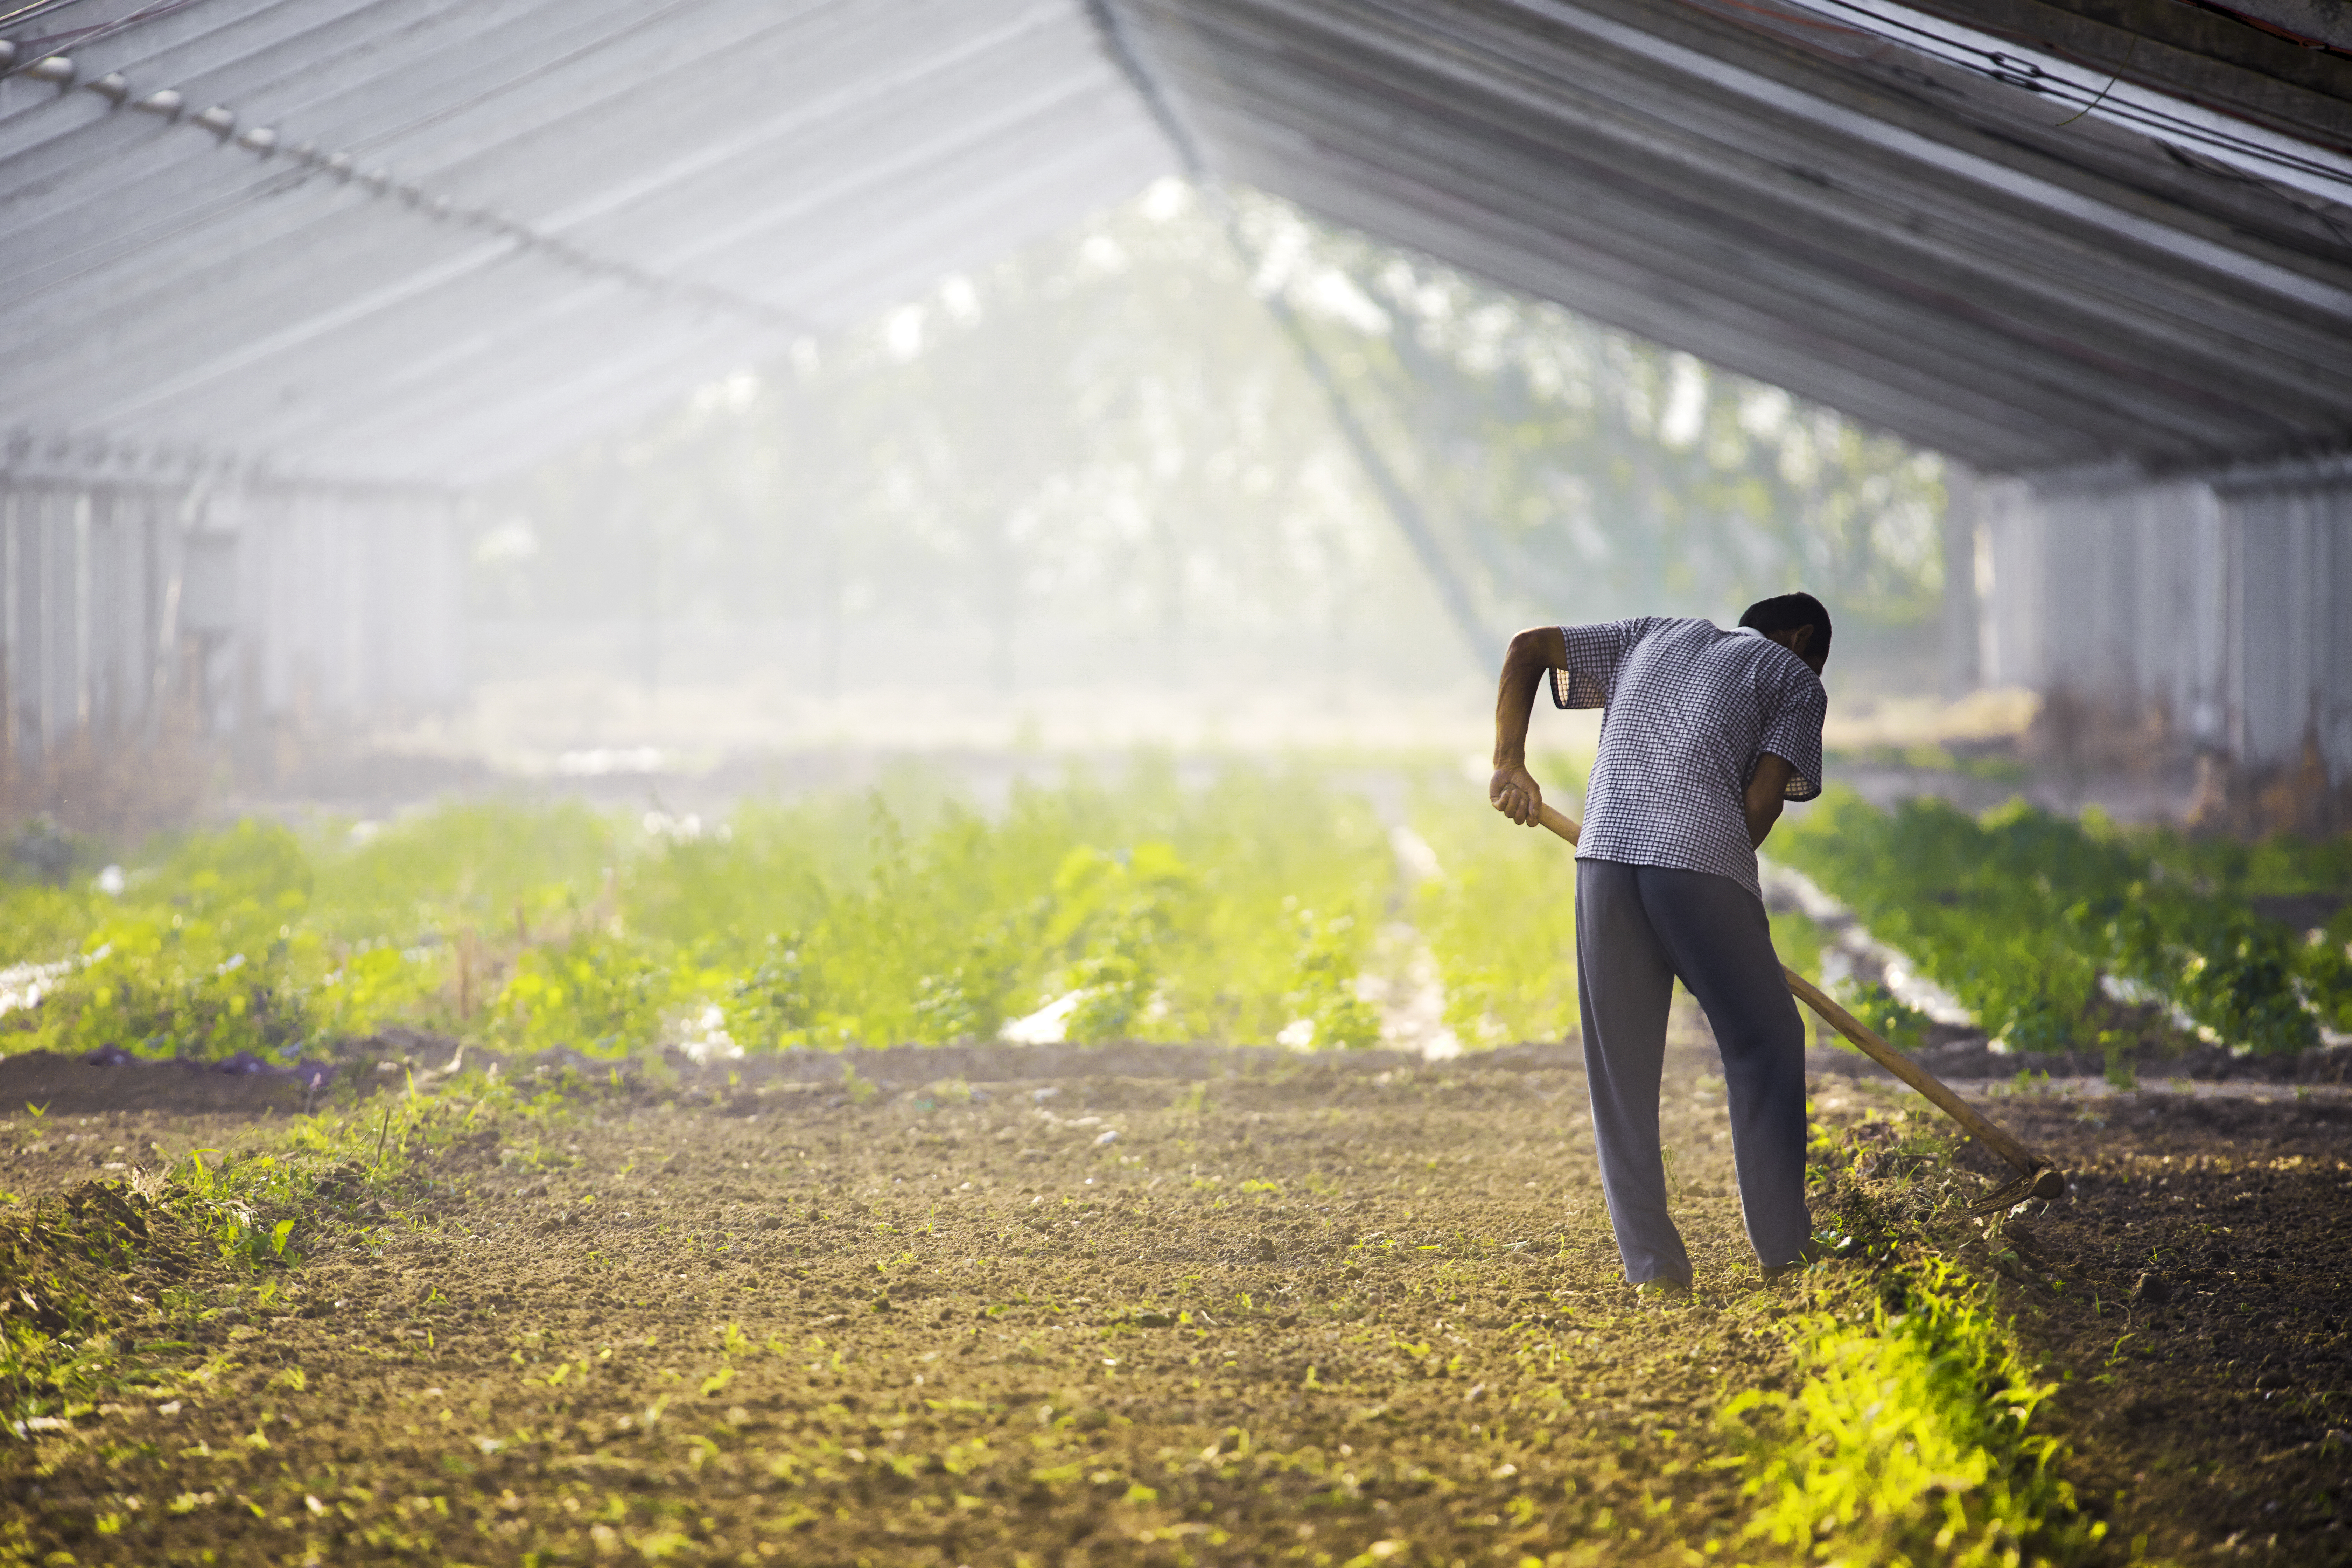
(2326, 967)
(486, 865)
(199, 952)
(1325, 996)
(2283, 864)
(2019, 915)
(74, 1331)
(594, 994)
(40, 923)
(1896, 1022)
(164, 984)
(1119, 913)
(376, 984)
(1799, 942)
(1501, 921)
(1271, 850)
(1970, 903)
(768, 1007)
(1173, 913)
(1243, 911)
(241, 874)
(1910, 1439)
(59, 1344)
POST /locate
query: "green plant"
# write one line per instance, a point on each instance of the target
(770, 1006)
(1899, 1024)
(1911, 1438)
(596, 994)
(881, 918)
(1501, 919)
(2028, 918)
(1799, 941)
(1117, 912)
(1325, 994)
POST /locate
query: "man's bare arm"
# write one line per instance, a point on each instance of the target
(1533, 655)
(1768, 791)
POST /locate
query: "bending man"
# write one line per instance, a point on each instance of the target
(1704, 734)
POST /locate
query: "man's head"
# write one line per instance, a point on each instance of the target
(1797, 621)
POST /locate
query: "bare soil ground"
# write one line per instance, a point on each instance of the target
(2198, 1287)
(1320, 1311)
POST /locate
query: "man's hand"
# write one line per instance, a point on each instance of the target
(1515, 794)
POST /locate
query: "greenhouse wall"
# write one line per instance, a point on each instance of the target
(2214, 611)
(132, 606)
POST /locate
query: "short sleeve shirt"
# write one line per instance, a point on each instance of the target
(1688, 711)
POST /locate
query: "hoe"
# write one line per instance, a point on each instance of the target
(2036, 1177)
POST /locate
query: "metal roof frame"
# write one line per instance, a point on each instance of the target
(380, 304)
(1785, 192)
(429, 240)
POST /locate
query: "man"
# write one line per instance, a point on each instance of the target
(1704, 734)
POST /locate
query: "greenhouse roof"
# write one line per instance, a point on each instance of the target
(426, 240)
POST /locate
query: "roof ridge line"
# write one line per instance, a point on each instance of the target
(263, 143)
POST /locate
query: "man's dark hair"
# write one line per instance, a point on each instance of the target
(1786, 614)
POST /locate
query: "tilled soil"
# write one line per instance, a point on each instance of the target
(1304, 1316)
(2198, 1287)
(1311, 1313)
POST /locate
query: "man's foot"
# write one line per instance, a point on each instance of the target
(1662, 1290)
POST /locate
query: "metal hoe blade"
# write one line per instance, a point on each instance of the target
(2047, 1183)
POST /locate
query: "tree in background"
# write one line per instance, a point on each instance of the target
(1579, 471)
(1100, 460)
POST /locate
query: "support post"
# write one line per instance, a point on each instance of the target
(1961, 664)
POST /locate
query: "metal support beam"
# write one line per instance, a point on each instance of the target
(1404, 509)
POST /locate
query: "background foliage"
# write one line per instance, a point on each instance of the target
(1104, 453)
(1247, 904)
(1231, 910)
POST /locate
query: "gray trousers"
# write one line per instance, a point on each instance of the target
(1639, 929)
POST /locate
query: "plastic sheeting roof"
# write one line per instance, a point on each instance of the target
(428, 239)
(2005, 228)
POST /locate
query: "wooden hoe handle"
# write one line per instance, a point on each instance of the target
(2027, 1164)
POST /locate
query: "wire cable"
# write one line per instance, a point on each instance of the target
(342, 166)
(2016, 70)
(42, 49)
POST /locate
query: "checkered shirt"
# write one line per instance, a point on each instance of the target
(1690, 710)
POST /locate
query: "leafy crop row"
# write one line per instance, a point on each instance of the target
(1239, 912)
(1914, 1432)
(2021, 915)
(1231, 913)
